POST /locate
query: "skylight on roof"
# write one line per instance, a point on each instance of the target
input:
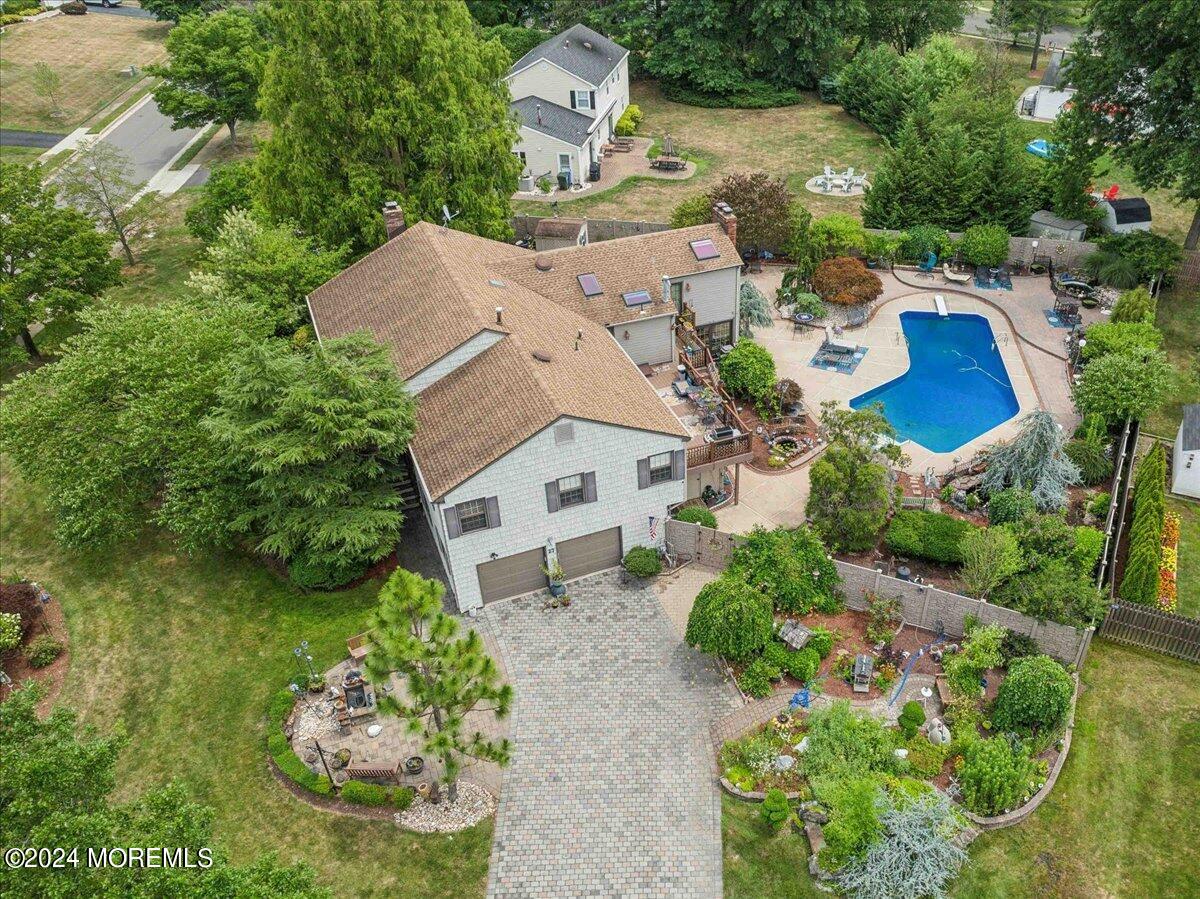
(590, 284)
(495, 282)
(704, 249)
(636, 298)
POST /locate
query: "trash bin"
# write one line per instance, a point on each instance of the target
(564, 180)
(594, 171)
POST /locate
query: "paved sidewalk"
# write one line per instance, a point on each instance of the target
(612, 789)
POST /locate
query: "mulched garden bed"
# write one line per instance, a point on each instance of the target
(37, 619)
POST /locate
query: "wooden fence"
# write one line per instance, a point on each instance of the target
(1134, 625)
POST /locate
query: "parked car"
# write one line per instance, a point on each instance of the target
(105, 3)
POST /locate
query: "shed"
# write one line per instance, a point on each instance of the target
(1044, 223)
(1185, 455)
(1125, 214)
(554, 233)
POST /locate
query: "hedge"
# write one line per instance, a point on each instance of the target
(927, 535)
(696, 515)
(375, 795)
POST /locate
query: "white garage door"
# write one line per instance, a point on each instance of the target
(594, 552)
(512, 575)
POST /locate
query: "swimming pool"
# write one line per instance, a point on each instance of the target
(956, 386)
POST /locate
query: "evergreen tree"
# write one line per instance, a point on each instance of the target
(1005, 181)
(447, 676)
(53, 262)
(1140, 581)
(306, 446)
(396, 100)
(1034, 460)
(1070, 171)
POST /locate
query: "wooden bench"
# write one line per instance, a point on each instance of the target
(359, 646)
(373, 772)
(943, 689)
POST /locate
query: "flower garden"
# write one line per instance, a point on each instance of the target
(889, 781)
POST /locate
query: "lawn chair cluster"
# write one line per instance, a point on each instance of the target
(844, 182)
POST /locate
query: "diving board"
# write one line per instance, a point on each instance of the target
(940, 302)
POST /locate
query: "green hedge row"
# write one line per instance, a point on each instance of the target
(927, 535)
(299, 773)
(1140, 582)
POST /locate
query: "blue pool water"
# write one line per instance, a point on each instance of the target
(956, 386)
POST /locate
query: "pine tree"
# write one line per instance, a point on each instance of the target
(1035, 460)
(395, 100)
(447, 676)
(1004, 181)
(1140, 581)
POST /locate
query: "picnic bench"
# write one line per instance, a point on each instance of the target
(672, 164)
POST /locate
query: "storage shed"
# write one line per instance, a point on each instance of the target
(553, 233)
(1044, 223)
(1185, 456)
(1125, 215)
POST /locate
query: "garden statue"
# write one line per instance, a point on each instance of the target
(939, 734)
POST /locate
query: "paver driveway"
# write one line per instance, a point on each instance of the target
(612, 788)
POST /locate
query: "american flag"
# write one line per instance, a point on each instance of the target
(653, 527)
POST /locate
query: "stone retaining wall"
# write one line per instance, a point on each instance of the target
(924, 606)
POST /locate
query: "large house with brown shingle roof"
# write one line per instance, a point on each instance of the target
(538, 436)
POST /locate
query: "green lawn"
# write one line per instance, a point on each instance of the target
(1188, 576)
(1121, 820)
(791, 142)
(186, 651)
(1179, 320)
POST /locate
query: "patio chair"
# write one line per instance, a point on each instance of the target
(955, 277)
(359, 646)
(832, 344)
(929, 263)
(828, 172)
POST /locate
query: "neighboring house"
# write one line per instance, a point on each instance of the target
(1124, 215)
(1047, 99)
(1185, 457)
(568, 93)
(538, 437)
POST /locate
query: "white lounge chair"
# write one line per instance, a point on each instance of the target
(955, 277)
(841, 346)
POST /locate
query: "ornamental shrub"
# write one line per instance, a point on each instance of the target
(985, 245)
(730, 618)
(837, 234)
(995, 776)
(696, 515)
(925, 759)
(854, 805)
(1091, 458)
(1010, 505)
(748, 370)
(846, 281)
(755, 681)
(1089, 543)
(642, 561)
(1017, 646)
(42, 650)
(792, 567)
(927, 535)
(360, 793)
(802, 664)
(1036, 694)
(1103, 338)
(922, 239)
(775, 809)
(821, 642)
(630, 121)
(912, 716)
(1135, 306)
(10, 631)
(842, 743)
(980, 651)
(1140, 581)
(323, 572)
(692, 211)
(1098, 507)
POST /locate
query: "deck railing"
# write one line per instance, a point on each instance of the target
(732, 448)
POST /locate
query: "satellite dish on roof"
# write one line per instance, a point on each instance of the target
(447, 218)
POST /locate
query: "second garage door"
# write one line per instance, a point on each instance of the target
(594, 552)
(512, 575)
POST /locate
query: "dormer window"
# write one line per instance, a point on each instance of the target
(591, 285)
(704, 249)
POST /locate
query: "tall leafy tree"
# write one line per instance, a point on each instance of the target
(762, 205)
(55, 790)
(306, 447)
(1124, 385)
(266, 266)
(448, 676)
(175, 10)
(719, 47)
(99, 182)
(1071, 169)
(213, 70)
(53, 262)
(399, 100)
(1136, 73)
(907, 24)
(230, 186)
(102, 429)
(1031, 17)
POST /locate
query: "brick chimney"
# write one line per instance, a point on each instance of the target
(723, 216)
(393, 219)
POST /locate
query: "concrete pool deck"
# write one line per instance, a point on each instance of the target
(888, 358)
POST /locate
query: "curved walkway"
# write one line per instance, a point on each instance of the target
(612, 789)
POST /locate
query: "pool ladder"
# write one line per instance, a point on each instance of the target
(1000, 338)
(898, 336)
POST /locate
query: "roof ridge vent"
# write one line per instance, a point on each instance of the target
(543, 263)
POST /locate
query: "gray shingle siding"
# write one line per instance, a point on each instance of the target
(566, 51)
(557, 121)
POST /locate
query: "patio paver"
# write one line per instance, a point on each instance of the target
(612, 789)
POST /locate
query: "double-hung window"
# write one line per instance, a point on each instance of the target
(573, 490)
(472, 515)
(570, 491)
(660, 468)
(582, 99)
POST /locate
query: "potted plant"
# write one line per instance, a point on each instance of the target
(316, 683)
(555, 573)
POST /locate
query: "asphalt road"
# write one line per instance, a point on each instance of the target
(132, 12)
(147, 138)
(1060, 36)
(42, 139)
